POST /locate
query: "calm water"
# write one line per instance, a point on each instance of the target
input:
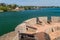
(9, 20)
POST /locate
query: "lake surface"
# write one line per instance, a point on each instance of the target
(9, 20)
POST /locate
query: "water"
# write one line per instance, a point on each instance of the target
(9, 20)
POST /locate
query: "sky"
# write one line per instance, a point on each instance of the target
(33, 2)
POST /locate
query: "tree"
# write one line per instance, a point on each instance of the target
(2, 4)
(13, 6)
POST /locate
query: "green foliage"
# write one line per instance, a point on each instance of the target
(11, 7)
(3, 7)
(28, 7)
(6, 7)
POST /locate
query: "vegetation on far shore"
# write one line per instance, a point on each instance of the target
(11, 7)
(5, 7)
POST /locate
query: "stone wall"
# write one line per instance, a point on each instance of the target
(54, 35)
(47, 28)
(43, 19)
(55, 19)
(31, 21)
(21, 28)
(8, 36)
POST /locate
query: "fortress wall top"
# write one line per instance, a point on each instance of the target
(31, 21)
(55, 19)
(43, 19)
(21, 28)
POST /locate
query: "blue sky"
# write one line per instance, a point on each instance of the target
(33, 2)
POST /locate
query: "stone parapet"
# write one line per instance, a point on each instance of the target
(55, 19)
